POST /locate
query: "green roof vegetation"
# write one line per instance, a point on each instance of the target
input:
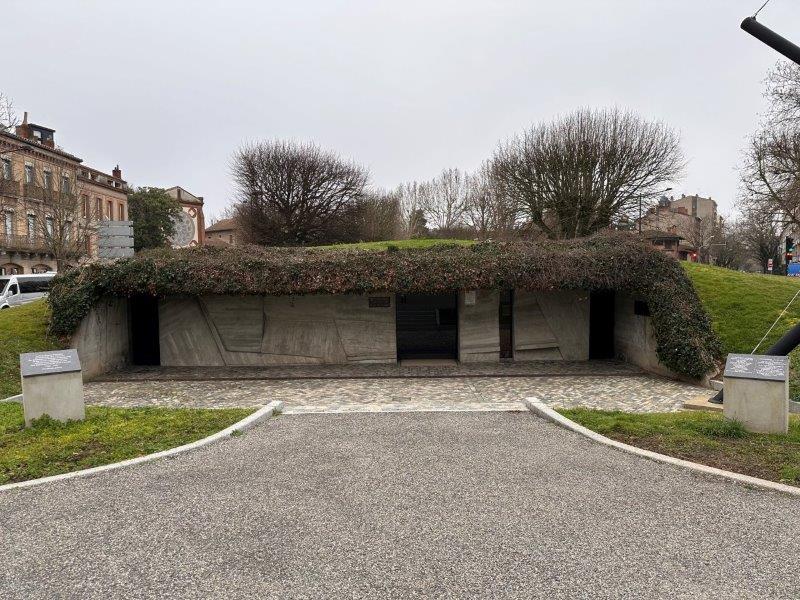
(686, 343)
(743, 306)
(397, 244)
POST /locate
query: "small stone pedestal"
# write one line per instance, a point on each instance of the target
(757, 392)
(52, 384)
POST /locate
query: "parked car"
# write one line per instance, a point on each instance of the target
(16, 290)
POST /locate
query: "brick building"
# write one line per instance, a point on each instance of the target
(50, 199)
(224, 232)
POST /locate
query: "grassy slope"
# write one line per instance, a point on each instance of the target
(22, 329)
(107, 435)
(415, 243)
(703, 437)
(744, 305)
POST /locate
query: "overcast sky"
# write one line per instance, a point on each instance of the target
(168, 89)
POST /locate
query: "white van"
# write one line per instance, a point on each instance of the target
(21, 289)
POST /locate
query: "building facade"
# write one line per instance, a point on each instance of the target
(224, 232)
(50, 202)
(190, 224)
(683, 227)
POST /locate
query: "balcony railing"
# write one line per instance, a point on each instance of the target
(9, 187)
(21, 243)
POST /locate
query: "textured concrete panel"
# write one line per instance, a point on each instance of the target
(275, 330)
(237, 320)
(102, 339)
(479, 327)
(759, 405)
(567, 313)
(634, 339)
(533, 337)
(185, 337)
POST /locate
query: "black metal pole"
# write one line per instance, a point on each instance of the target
(773, 40)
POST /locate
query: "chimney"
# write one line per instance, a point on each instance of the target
(117, 173)
(24, 130)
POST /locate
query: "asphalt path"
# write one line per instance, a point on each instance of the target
(411, 505)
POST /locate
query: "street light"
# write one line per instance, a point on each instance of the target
(664, 191)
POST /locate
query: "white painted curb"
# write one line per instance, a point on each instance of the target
(538, 408)
(16, 399)
(249, 421)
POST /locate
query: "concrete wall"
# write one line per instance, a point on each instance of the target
(551, 325)
(634, 339)
(479, 327)
(276, 330)
(102, 339)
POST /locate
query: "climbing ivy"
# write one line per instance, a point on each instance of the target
(686, 342)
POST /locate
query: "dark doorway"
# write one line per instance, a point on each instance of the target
(427, 326)
(507, 324)
(601, 324)
(144, 331)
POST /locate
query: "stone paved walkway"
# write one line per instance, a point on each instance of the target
(633, 393)
(376, 371)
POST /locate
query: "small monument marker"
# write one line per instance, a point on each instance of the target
(52, 384)
(757, 392)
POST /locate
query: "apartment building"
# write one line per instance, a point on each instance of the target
(50, 202)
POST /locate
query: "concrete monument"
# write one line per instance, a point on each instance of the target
(757, 392)
(52, 384)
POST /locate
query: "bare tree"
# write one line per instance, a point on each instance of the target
(293, 193)
(579, 173)
(410, 198)
(761, 233)
(444, 199)
(59, 215)
(783, 92)
(8, 116)
(489, 209)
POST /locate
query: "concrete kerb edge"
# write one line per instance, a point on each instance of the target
(248, 422)
(15, 399)
(538, 408)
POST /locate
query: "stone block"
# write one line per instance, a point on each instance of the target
(52, 385)
(757, 392)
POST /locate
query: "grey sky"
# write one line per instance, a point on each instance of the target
(169, 89)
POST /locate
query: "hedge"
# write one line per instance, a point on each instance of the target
(686, 342)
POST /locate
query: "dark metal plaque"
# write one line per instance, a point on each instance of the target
(47, 363)
(757, 366)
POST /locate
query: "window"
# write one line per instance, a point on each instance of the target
(48, 180)
(110, 210)
(7, 172)
(32, 285)
(85, 209)
(98, 207)
(121, 212)
(28, 174)
(49, 225)
(68, 231)
(8, 222)
(31, 227)
(65, 186)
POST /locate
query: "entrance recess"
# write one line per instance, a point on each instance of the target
(601, 324)
(427, 326)
(506, 320)
(144, 331)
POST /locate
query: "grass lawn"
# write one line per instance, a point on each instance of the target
(415, 243)
(703, 437)
(22, 329)
(742, 307)
(107, 435)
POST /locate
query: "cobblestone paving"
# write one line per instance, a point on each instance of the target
(633, 393)
(376, 371)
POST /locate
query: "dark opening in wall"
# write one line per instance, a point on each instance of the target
(145, 348)
(640, 308)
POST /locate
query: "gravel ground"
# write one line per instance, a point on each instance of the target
(411, 505)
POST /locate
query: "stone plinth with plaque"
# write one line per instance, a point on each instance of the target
(52, 384)
(757, 392)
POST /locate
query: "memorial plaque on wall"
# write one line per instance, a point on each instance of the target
(757, 366)
(380, 302)
(48, 363)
